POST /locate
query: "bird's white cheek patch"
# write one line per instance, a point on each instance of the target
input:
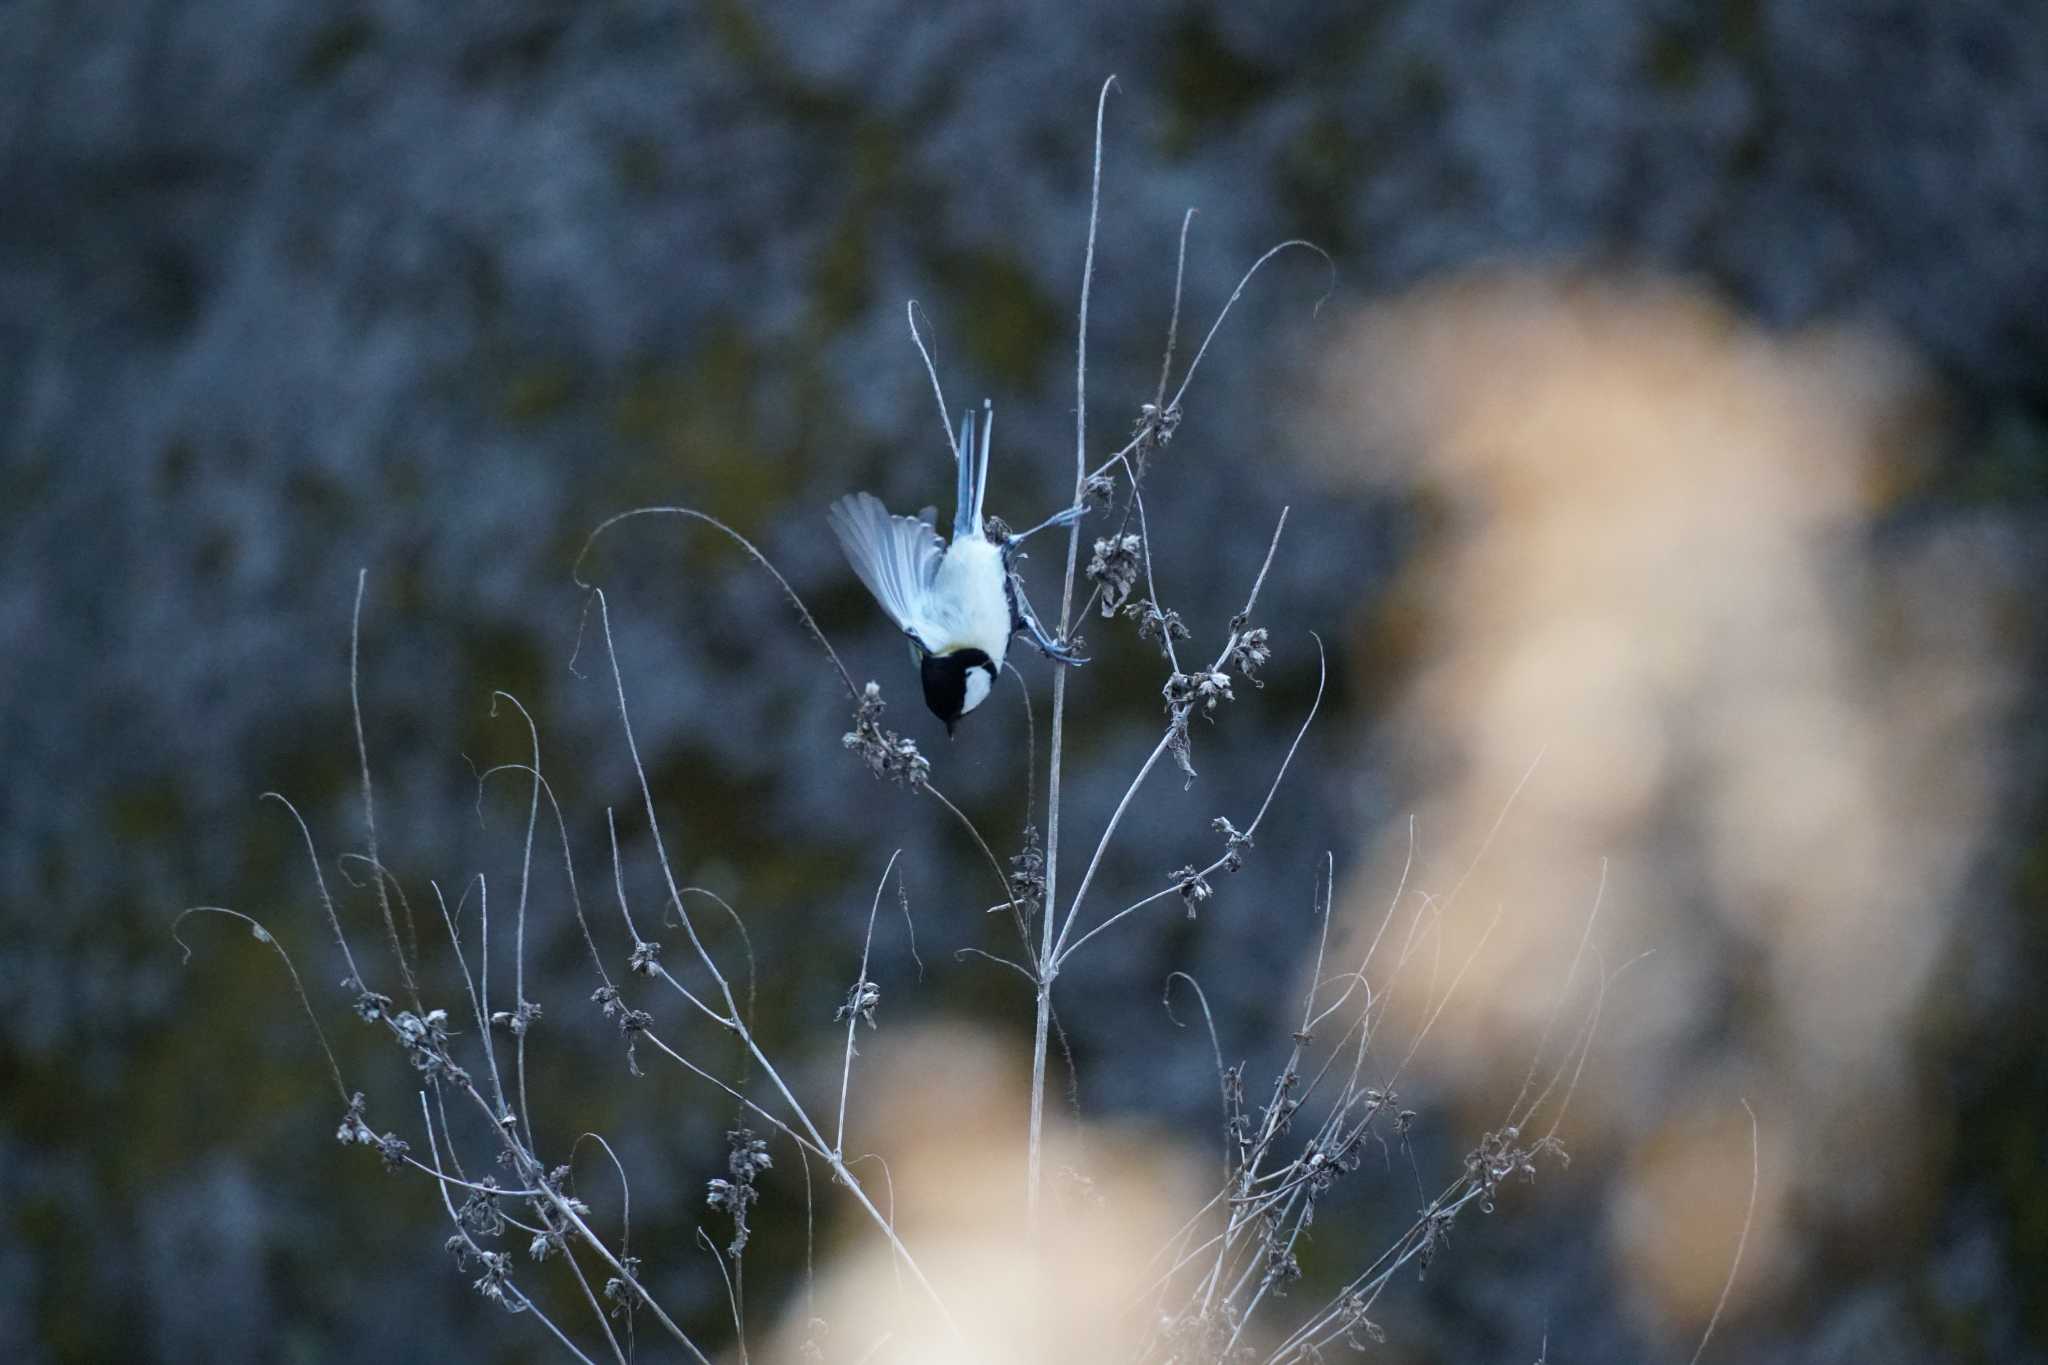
(978, 685)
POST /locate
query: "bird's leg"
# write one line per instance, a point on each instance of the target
(1065, 517)
(1023, 618)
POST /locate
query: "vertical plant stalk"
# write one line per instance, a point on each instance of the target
(1046, 970)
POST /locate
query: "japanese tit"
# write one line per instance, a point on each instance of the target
(959, 602)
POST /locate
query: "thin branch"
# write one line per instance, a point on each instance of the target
(520, 1017)
(479, 1006)
(896, 1262)
(522, 1301)
(1755, 1182)
(910, 926)
(1495, 829)
(854, 1003)
(1020, 969)
(1030, 748)
(733, 1019)
(1322, 681)
(483, 991)
(995, 865)
(619, 1353)
(1449, 991)
(911, 311)
(264, 936)
(1271, 252)
(625, 1188)
(497, 1191)
(320, 882)
(1151, 585)
(1252, 599)
(355, 707)
(626, 913)
(1358, 978)
(1122, 456)
(1585, 1050)
(739, 1327)
(746, 946)
(1066, 950)
(1557, 1008)
(803, 612)
(1081, 329)
(773, 1120)
(1328, 895)
(1215, 1045)
(1102, 846)
(810, 1242)
(1180, 270)
(568, 859)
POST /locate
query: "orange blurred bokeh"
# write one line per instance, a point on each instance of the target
(1653, 588)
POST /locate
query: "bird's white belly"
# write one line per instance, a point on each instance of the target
(970, 606)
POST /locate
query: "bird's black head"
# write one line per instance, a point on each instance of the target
(955, 683)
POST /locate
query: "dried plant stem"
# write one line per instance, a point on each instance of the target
(753, 552)
(995, 865)
(910, 312)
(1060, 947)
(519, 1001)
(853, 1003)
(733, 1019)
(1102, 845)
(518, 1297)
(522, 1160)
(1047, 970)
(265, 937)
(355, 705)
(1322, 681)
(1180, 272)
(596, 1308)
(1238, 293)
(1756, 1176)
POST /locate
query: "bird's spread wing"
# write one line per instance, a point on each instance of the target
(896, 557)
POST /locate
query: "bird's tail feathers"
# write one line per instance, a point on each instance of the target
(970, 456)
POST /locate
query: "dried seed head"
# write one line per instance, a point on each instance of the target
(886, 753)
(618, 1292)
(1250, 654)
(353, 1129)
(1027, 874)
(746, 1158)
(1114, 570)
(1155, 620)
(861, 1001)
(1155, 426)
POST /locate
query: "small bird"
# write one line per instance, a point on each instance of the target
(959, 603)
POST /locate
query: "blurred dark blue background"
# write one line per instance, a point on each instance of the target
(289, 289)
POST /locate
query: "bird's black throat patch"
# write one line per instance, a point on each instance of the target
(945, 681)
